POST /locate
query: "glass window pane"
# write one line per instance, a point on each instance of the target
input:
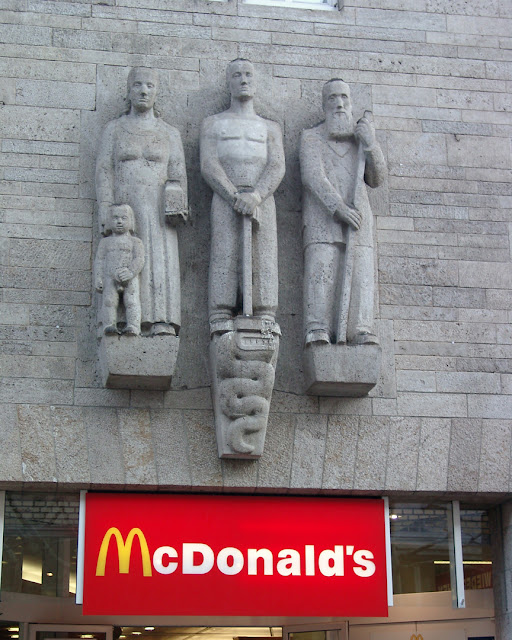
(40, 543)
(420, 548)
(476, 549)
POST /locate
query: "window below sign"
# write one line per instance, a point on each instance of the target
(420, 548)
(40, 544)
(476, 549)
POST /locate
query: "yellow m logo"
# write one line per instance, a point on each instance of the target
(124, 550)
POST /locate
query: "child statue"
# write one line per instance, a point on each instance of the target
(119, 260)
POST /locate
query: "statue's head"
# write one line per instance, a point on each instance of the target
(121, 219)
(240, 79)
(337, 107)
(142, 86)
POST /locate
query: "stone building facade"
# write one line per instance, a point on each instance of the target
(437, 76)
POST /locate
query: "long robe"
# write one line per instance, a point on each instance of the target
(328, 171)
(134, 163)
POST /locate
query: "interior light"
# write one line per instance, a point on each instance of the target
(393, 516)
(137, 633)
(87, 635)
(50, 574)
(32, 569)
(15, 635)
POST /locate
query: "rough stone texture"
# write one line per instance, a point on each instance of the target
(243, 371)
(104, 445)
(119, 261)
(275, 466)
(463, 470)
(309, 451)
(137, 446)
(12, 463)
(340, 452)
(337, 157)
(71, 451)
(341, 370)
(242, 160)
(141, 167)
(170, 448)
(138, 362)
(435, 74)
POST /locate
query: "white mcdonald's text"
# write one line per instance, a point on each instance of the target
(199, 558)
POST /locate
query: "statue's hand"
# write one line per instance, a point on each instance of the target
(350, 216)
(365, 133)
(123, 274)
(99, 285)
(246, 203)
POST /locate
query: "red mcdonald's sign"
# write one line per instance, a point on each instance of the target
(234, 555)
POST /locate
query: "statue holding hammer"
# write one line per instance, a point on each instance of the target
(337, 157)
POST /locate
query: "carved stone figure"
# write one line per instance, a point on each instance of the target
(242, 159)
(141, 163)
(119, 260)
(337, 158)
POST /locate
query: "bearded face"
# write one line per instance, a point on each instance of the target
(339, 124)
(338, 109)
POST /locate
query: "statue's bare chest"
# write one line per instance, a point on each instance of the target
(239, 140)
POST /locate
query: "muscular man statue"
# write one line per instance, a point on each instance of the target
(335, 156)
(242, 160)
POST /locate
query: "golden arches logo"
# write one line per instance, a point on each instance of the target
(124, 551)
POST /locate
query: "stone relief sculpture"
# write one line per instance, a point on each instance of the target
(141, 164)
(119, 260)
(242, 159)
(337, 158)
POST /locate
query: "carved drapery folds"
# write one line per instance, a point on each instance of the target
(141, 168)
(337, 157)
(142, 197)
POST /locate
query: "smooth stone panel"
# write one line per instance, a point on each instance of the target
(341, 370)
(138, 362)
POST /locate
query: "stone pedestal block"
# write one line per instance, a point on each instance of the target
(341, 370)
(136, 362)
(243, 362)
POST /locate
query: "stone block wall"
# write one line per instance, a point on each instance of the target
(437, 75)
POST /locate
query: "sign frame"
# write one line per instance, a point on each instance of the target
(333, 520)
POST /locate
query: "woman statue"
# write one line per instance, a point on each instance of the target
(141, 164)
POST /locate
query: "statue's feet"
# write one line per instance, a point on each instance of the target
(162, 329)
(317, 336)
(131, 330)
(111, 330)
(365, 337)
